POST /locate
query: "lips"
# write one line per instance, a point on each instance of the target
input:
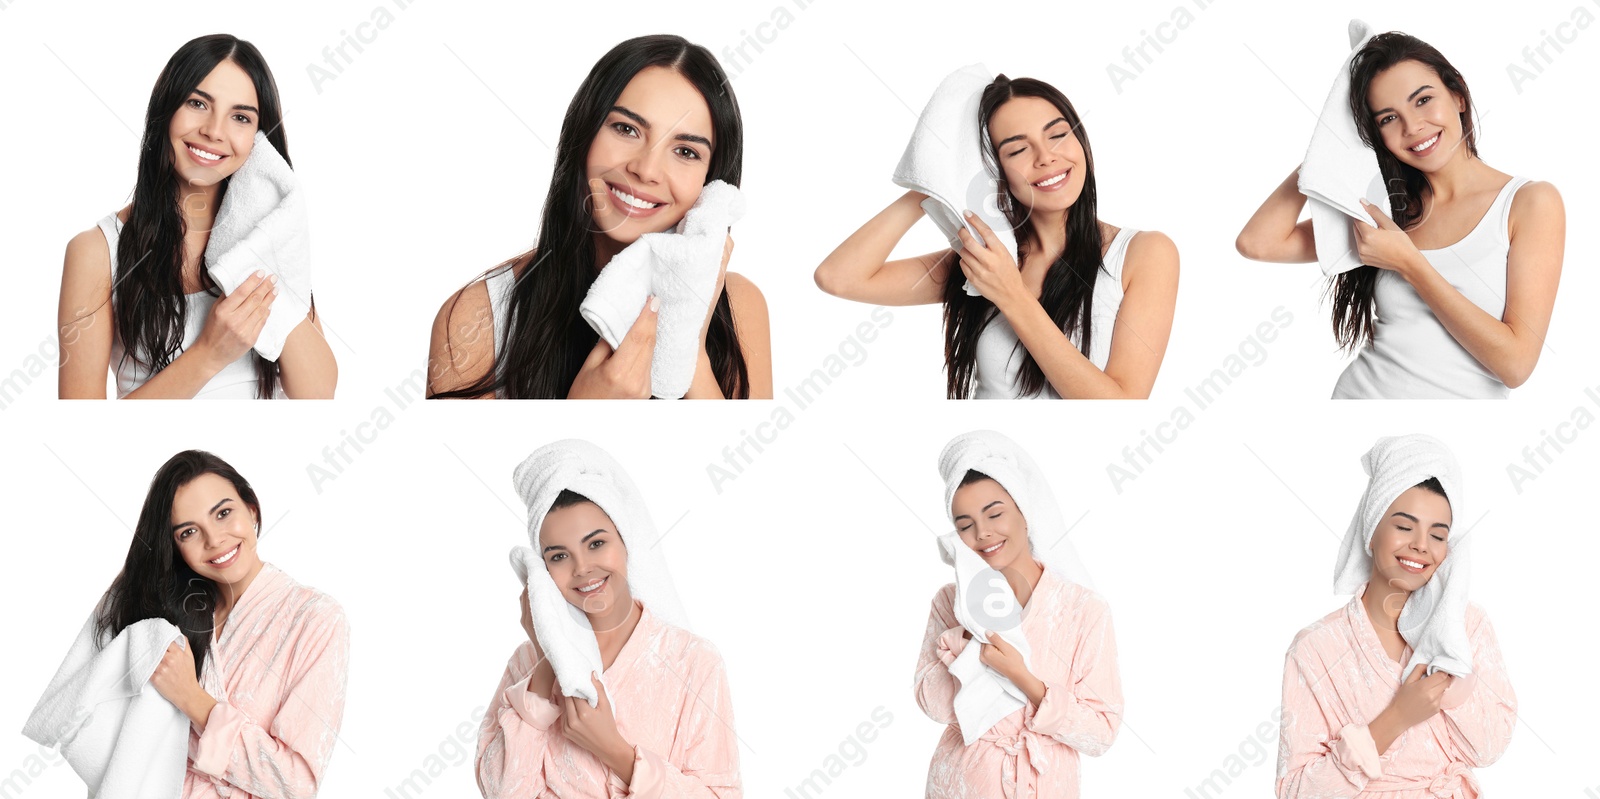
(1053, 182)
(204, 156)
(1426, 146)
(992, 549)
(1412, 566)
(592, 586)
(226, 559)
(634, 203)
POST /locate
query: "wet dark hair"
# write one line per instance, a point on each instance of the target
(149, 307)
(1352, 292)
(546, 340)
(155, 582)
(973, 476)
(1433, 485)
(1068, 294)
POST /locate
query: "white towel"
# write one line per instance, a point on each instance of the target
(681, 269)
(261, 224)
(122, 737)
(983, 597)
(563, 630)
(945, 160)
(1433, 620)
(1339, 170)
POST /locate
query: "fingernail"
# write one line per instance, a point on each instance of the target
(273, 279)
(259, 273)
(655, 304)
(967, 214)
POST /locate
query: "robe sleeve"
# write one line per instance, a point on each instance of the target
(515, 734)
(1085, 712)
(704, 760)
(941, 643)
(1315, 759)
(1481, 713)
(286, 758)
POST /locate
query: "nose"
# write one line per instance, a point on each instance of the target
(211, 126)
(1410, 124)
(645, 166)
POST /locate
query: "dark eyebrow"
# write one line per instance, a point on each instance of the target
(592, 534)
(1415, 520)
(180, 525)
(1010, 139)
(236, 106)
(645, 123)
(984, 508)
(1420, 89)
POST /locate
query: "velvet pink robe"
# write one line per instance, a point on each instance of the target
(1034, 751)
(669, 695)
(277, 672)
(1338, 678)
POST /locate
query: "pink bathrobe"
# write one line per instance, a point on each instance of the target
(1337, 679)
(669, 694)
(1034, 751)
(278, 675)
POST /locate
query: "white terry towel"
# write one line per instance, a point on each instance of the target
(1340, 170)
(122, 737)
(681, 269)
(261, 224)
(1433, 620)
(563, 630)
(945, 160)
(984, 599)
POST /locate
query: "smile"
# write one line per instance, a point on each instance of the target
(1425, 147)
(593, 587)
(993, 549)
(1053, 180)
(204, 154)
(1412, 566)
(632, 201)
(226, 558)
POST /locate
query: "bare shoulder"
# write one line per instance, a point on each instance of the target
(1151, 255)
(1536, 199)
(743, 294)
(89, 254)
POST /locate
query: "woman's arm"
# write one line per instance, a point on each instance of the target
(286, 758)
(1315, 759)
(941, 643)
(1509, 346)
(860, 269)
(516, 732)
(231, 329)
(750, 321)
(1274, 233)
(461, 347)
(306, 364)
(84, 319)
(1138, 340)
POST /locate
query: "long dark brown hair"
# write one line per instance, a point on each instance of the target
(155, 582)
(1068, 294)
(149, 305)
(1352, 292)
(546, 340)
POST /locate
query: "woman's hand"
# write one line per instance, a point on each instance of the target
(1000, 655)
(1417, 701)
(1385, 246)
(595, 729)
(235, 321)
(623, 373)
(992, 270)
(175, 680)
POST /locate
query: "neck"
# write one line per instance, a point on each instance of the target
(1383, 604)
(1023, 575)
(229, 593)
(1049, 231)
(605, 248)
(198, 204)
(615, 624)
(1454, 177)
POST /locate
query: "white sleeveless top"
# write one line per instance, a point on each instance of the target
(1000, 352)
(1412, 355)
(499, 283)
(237, 380)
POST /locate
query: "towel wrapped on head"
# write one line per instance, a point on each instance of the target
(563, 630)
(1433, 620)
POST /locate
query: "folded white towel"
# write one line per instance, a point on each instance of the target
(261, 224)
(984, 604)
(563, 631)
(125, 740)
(1339, 170)
(945, 160)
(681, 269)
(984, 600)
(1433, 620)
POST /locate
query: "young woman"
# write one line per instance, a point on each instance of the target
(1074, 694)
(135, 295)
(1460, 274)
(1089, 311)
(662, 725)
(1361, 715)
(262, 679)
(653, 122)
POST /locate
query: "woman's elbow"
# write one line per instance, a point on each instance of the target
(826, 280)
(1249, 245)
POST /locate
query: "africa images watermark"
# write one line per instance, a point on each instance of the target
(1136, 57)
(736, 58)
(1536, 57)
(336, 57)
(852, 751)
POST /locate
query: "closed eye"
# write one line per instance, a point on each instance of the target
(1015, 152)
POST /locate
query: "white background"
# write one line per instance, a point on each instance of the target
(426, 162)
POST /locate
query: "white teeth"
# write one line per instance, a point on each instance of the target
(1053, 181)
(595, 586)
(232, 553)
(1425, 145)
(205, 155)
(632, 200)
(993, 548)
(1411, 564)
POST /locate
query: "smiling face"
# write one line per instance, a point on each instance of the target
(214, 130)
(1411, 540)
(215, 531)
(651, 155)
(1418, 118)
(585, 556)
(990, 523)
(1040, 157)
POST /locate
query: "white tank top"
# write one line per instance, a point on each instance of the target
(1412, 355)
(1000, 353)
(499, 283)
(237, 380)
